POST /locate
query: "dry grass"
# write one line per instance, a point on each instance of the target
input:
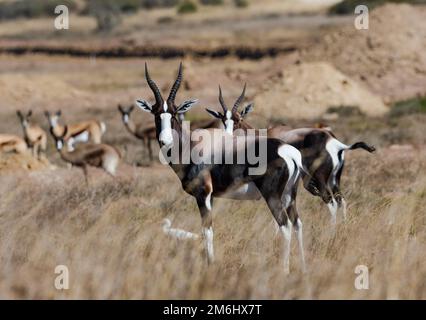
(110, 237)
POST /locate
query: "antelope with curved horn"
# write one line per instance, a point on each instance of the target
(144, 133)
(84, 155)
(12, 143)
(34, 135)
(206, 180)
(86, 131)
(322, 153)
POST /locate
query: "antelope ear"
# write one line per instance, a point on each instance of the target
(215, 114)
(59, 113)
(47, 113)
(29, 114)
(19, 113)
(248, 108)
(145, 106)
(131, 108)
(120, 108)
(186, 105)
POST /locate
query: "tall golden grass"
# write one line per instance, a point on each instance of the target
(109, 236)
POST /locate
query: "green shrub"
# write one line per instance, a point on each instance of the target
(187, 6)
(211, 2)
(415, 105)
(149, 4)
(241, 3)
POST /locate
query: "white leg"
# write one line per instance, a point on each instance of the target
(299, 234)
(332, 207)
(208, 243)
(344, 208)
(286, 231)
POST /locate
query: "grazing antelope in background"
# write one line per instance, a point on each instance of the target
(205, 181)
(84, 155)
(12, 143)
(34, 135)
(322, 153)
(86, 131)
(145, 133)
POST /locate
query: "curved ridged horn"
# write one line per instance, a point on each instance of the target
(175, 87)
(222, 102)
(154, 88)
(239, 100)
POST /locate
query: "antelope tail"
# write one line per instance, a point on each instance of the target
(362, 145)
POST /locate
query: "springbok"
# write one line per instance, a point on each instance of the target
(205, 180)
(84, 155)
(12, 143)
(322, 153)
(34, 135)
(145, 133)
(86, 131)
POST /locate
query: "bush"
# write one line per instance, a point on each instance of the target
(106, 13)
(241, 3)
(149, 4)
(348, 6)
(211, 2)
(32, 9)
(187, 6)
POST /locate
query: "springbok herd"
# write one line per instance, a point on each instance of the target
(313, 155)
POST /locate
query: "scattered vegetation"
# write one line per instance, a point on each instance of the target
(414, 105)
(344, 111)
(211, 2)
(348, 6)
(241, 3)
(106, 12)
(32, 9)
(187, 6)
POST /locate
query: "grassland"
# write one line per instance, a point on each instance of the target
(109, 234)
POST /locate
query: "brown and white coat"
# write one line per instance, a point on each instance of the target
(322, 153)
(207, 181)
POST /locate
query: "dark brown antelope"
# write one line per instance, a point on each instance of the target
(145, 133)
(12, 143)
(322, 153)
(34, 135)
(86, 131)
(84, 155)
(206, 180)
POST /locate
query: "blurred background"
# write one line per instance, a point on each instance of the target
(304, 63)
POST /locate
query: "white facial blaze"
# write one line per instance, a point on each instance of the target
(229, 123)
(126, 118)
(166, 136)
(59, 144)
